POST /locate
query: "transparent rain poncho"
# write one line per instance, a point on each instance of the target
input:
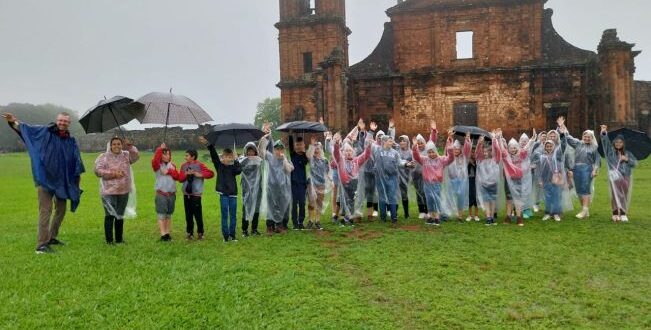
(553, 179)
(351, 188)
(488, 177)
(433, 173)
(456, 179)
(320, 180)
(620, 175)
(106, 164)
(387, 166)
(405, 173)
(515, 162)
(277, 194)
(586, 160)
(251, 181)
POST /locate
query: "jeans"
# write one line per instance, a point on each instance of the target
(583, 179)
(387, 188)
(553, 196)
(433, 196)
(298, 204)
(228, 210)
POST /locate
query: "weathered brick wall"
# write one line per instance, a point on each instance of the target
(643, 104)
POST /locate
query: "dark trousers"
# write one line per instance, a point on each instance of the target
(245, 221)
(192, 205)
(114, 206)
(299, 192)
(109, 223)
(228, 212)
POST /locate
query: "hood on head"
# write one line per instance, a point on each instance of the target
(250, 145)
(513, 143)
(430, 146)
(279, 145)
(456, 144)
(550, 142)
(420, 138)
(524, 137)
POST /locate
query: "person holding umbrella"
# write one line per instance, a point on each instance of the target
(114, 170)
(299, 180)
(620, 167)
(56, 168)
(279, 188)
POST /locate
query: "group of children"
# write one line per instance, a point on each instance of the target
(368, 172)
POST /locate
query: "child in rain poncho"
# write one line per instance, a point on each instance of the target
(116, 185)
(330, 146)
(518, 175)
(349, 167)
(387, 164)
(552, 179)
(319, 183)
(417, 174)
(433, 166)
(488, 174)
(538, 195)
(251, 182)
(405, 173)
(620, 167)
(278, 184)
(527, 209)
(456, 177)
(586, 166)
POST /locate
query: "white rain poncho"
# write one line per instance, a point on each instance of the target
(251, 181)
(417, 176)
(553, 179)
(456, 183)
(488, 177)
(433, 173)
(405, 173)
(351, 178)
(586, 160)
(319, 180)
(111, 188)
(620, 176)
(515, 161)
(387, 165)
(277, 194)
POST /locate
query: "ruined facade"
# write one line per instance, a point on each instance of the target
(489, 63)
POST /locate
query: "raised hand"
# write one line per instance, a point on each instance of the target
(321, 121)
(373, 126)
(266, 128)
(391, 123)
(450, 133)
(414, 141)
(9, 117)
(432, 124)
(202, 140)
(560, 121)
(313, 140)
(534, 133)
(604, 129)
(481, 139)
(361, 124)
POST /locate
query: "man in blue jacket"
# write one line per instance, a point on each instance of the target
(56, 168)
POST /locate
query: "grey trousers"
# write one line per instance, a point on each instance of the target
(48, 229)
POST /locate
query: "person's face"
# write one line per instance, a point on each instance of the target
(543, 137)
(188, 157)
(228, 158)
(456, 152)
(116, 146)
(421, 144)
(317, 152)
(619, 144)
(348, 153)
(250, 152)
(487, 153)
(63, 122)
(404, 145)
(513, 150)
(299, 146)
(388, 143)
(587, 139)
(432, 154)
(549, 148)
(166, 157)
(523, 142)
(553, 136)
(279, 152)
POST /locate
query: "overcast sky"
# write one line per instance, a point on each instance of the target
(222, 54)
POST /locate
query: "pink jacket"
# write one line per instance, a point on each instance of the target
(354, 164)
(513, 163)
(433, 168)
(108, 164)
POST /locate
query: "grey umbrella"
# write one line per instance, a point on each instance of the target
(111, 113)
(171, 109)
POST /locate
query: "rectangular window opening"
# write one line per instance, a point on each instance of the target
(307, 62)
(464, 45)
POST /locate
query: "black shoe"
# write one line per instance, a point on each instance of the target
(318, 226)
(233, 238)
(120, 242)
(189, 237)
(245, 234)
(43, 249)
(110, 243)
(301, 227)
(55, 241)
(255, 233)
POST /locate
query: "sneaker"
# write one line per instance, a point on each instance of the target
(111, 243)
(375, 213)
(55, 241)
(310, 225)
(468, 219)
(421, 216)
(488, 221)
(437, 222)
(546, 217)
(335, 219)
(233, 238)
(318, 226)
(43, 249)
(200, 237)
(297, 227)
(557, 218)
(255, 233)
(536, 209)
(429, 222)
(270, 231)
(301, 226)
(615, 218)
(225, 239)
(120, 242)
(477, 219)
(520, 222)
(583, 214)
(189, 237)
(623, 218)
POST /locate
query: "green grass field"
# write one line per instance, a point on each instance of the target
(573, 274)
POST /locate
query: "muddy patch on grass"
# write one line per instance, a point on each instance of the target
(364, 234)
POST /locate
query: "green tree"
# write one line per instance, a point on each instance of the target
(268, 111)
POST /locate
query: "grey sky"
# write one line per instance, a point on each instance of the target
(222, 54)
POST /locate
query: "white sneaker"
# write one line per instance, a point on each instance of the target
(623, 218)
(615, 218)
(468, 219)
(546, 217)
(477, 218)
(557, 218)
(583, 214)
(374, 213)
(421, 215)
(535, 209)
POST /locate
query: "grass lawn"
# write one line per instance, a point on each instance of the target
(573, 274)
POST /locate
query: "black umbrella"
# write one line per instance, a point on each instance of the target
(232, 135)
(111, 113)
(475, 132)
(637, 142)
(171, 109)
(302, 127)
